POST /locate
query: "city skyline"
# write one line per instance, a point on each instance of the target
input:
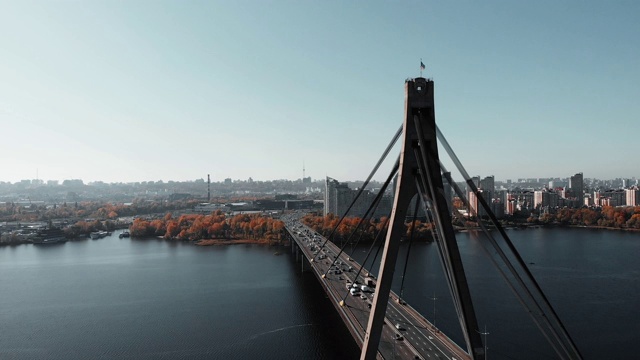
(147, 91)
(511, 180)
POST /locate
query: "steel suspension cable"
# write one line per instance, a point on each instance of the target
(514, 252)
(382, 231)
(511, 286)
(513, 271)
(364, 185)
(413, 230)
(374, 205)
(382, 190)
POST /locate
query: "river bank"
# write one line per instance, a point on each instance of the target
(218, 242)
(525, 226)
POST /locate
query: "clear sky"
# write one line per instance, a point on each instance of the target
(174, 90)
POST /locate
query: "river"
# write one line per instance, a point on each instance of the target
(151, 299)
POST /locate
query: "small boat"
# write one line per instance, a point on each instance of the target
(98, 234)
(51, 235)
(124, 234)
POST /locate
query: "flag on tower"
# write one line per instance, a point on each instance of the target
(421, 65)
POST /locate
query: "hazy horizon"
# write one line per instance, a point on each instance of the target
(142, 90)
(513, 179)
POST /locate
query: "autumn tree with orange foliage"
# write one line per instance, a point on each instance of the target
(608, 217)
(367, 231)
(216, 225)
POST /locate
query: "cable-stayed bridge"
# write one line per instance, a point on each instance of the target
(381, 323)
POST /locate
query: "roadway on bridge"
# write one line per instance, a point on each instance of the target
(418, 336)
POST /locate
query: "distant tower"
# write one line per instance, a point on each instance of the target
(303, 173)
(208, 188)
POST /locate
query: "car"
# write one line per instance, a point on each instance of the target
(399, 327)
(365, 288)
(354, 291)
(398, 337)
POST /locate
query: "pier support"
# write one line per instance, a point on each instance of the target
(420, 173)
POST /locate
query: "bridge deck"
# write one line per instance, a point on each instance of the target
(420, 339)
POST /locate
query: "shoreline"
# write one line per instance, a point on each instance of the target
(548, 226)
(219, 242)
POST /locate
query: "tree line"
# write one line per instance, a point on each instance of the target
(366, 232)
(607, 216)
(11, 211)
(89, 209)
(217, 225)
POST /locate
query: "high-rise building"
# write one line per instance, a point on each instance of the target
(523, 200)
(476, 181)
(633, 197)
(338, 196)
(576, 186)
(545, 199)
(475, 207)
(488, 184)
(510, 205)
(611, 197)
(330, 204)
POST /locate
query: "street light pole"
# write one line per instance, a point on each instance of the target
(485, 333)
(434, 298)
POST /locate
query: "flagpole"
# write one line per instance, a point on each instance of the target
(420, 67)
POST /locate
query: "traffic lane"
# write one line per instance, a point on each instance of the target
(421, 325)
(388, 347)
(424, 341)
(359, 306)
(423, 337)
(413, 335)
(421, 342)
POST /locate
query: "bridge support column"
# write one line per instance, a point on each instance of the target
(420, 173)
